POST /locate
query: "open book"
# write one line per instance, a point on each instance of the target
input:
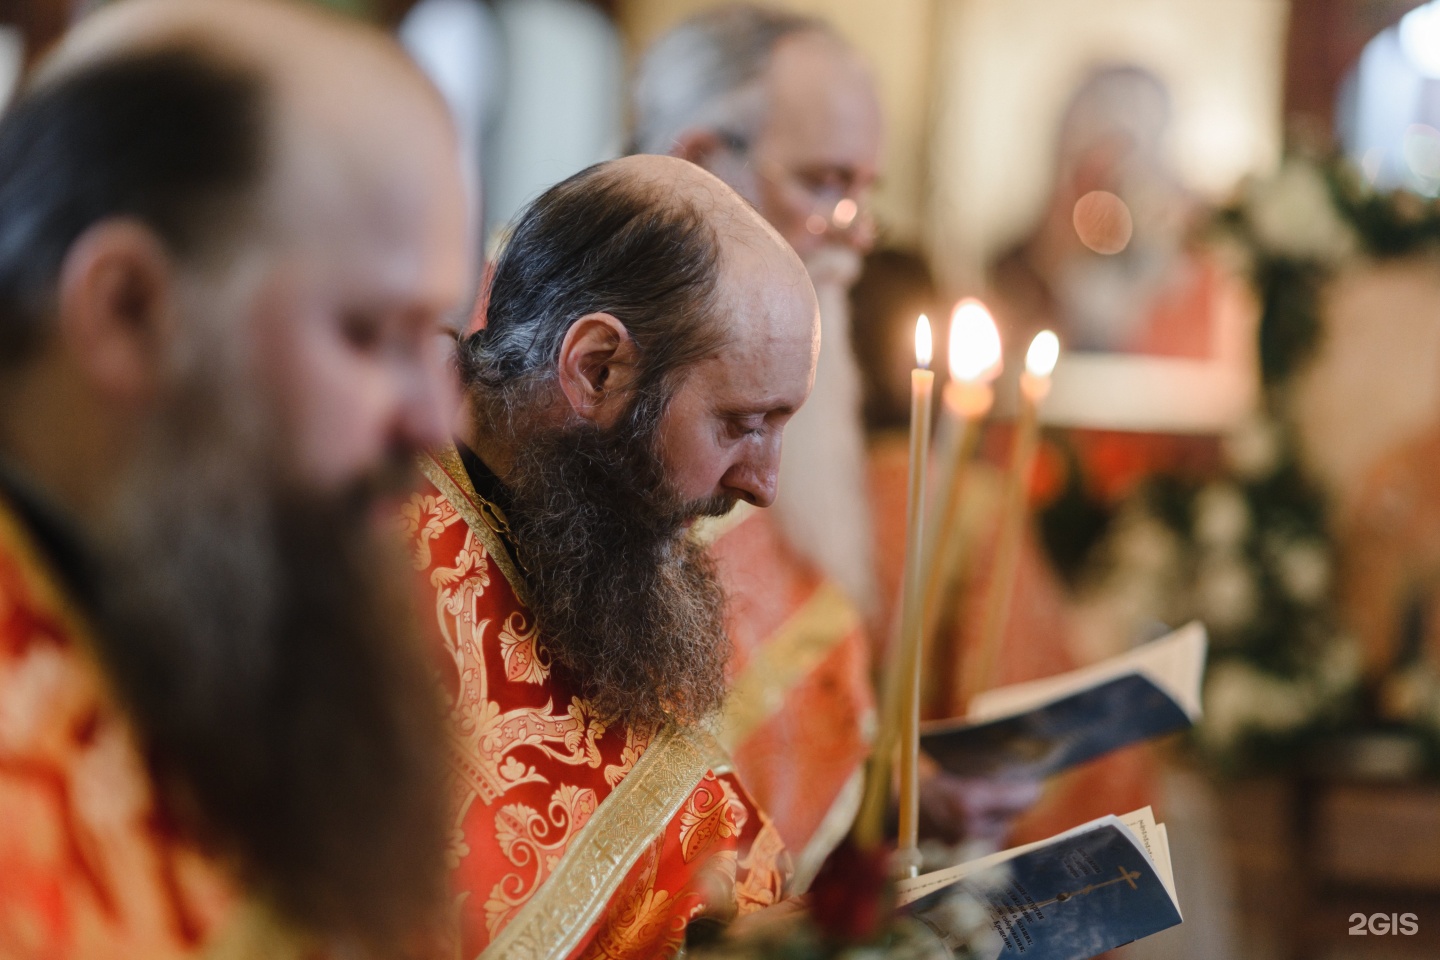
(1078, 894)
(1045, 726)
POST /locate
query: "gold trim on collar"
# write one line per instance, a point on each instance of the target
(786, 658)
(566, 907)
(40, 577)
(445, 469)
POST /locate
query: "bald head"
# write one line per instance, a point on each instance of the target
(739, 227)
(637, 278)
(646, 238)
(307, 58)
(346, 115)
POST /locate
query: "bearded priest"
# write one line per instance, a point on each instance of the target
(784, 110)
(647, 337)
(230, 233)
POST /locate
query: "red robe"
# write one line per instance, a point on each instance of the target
(87, 869)
(801, 706)
(1036, 644)
(573, 836)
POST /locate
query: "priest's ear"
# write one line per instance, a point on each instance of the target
(700, 147)
(719, 153)
(597, 366)
(114, 309)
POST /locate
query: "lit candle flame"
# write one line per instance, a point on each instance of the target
(975, 350)
(1043, 353)
(924, 349)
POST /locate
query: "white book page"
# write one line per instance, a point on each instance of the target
(1175, 663)
(1149, 838)
(1166, 872)
(1155, 841)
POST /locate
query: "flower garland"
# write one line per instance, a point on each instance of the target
(1250, 551)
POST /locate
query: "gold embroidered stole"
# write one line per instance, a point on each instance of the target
(833, 828)
(820, 625)
(554, 921)
(790, 655)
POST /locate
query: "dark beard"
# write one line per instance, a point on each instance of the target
(263, 646)
(624, 599)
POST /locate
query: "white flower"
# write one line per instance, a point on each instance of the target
(1225, 592)
(1337, 671)
(1143, 543)
(1240, 698)
(1284, 707)
(1294, 216)
(1253, 448)
(1229, 692)
(1222, 517)
(1410, 694)
(1303, 567)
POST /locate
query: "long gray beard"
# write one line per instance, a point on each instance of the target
(822, 505)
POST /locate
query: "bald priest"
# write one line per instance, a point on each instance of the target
(647, 337)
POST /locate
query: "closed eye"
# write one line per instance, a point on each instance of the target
(362, 330)
(742, 427)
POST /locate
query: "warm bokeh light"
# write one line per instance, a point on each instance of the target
(1044, 351)
(975, 351)
(1103, 222)
(845, 213)
(924, 348)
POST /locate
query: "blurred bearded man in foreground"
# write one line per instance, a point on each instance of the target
(221, 280)
(647, 338)
(784, 111)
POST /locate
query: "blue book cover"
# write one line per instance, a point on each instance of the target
(1053, 725)
(1068, 898)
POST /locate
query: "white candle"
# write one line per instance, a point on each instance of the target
(1040, 362)
(976, 356)
(922, 388)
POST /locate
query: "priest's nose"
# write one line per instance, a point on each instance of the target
(427, 402)
(755, 480)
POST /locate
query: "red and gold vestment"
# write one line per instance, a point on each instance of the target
(88, 868)
(801, 710)
(574, 836)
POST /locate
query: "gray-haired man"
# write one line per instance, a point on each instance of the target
(785, 111)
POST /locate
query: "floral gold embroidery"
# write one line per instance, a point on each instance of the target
(763, 870)
(712, 813)
(530, 840)
(484, 736)
(526, 660)
(422, 519)
(456, 848)
(645, 921)
(636, 740)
